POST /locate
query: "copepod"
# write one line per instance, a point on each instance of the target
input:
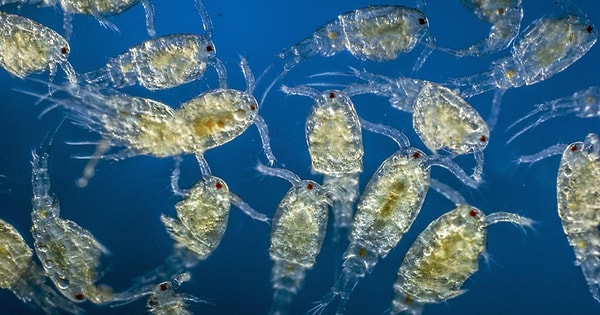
(578, 196)
(70, 255)
(548, 46)
(334, 140)
(163, 299)
(444, 256)
(201, 222)
(163, 62)
(146, 127)
(376, 33)
(100, 10)
(583, 103)
(505, 17)
(386, 209)
(298, 231)
(441, 117)
(20, 274)
(27, 47)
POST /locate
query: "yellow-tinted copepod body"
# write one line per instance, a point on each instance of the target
(548, 46)
(69, 254)
(163, 62)
(444, 256)
(334, 140)
(578, 195)
(20, 274)
(28, 47)
(376, 33)
(298, 231)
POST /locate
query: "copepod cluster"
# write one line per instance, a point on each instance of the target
(158, 98)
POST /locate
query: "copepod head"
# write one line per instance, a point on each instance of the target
(209, 46)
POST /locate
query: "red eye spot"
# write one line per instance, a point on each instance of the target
(209, 48)
(310, 186)
(331, 95)
(473, 213)
(573, 148)
(163, 287)
(416, 155)
(589, 29)
(421, 21)
(252, 106)
(218, 185)
(64, 50)
(483, 139)
(79, 296)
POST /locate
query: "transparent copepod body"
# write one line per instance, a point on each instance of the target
(334, 135)
(201, 217)
(445, 121)
(381, 33)
(298, 231)
(164, 300)
(28, 47)
(160, 63)
(389, 204)
(578, 195)
(442, 258)
(94, 7)
(69, 254)
(20, 274)
(549, 46)
(214, 118)
(505, 17)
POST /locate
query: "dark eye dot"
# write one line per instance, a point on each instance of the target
(64, 50)
(331, 95)
(209, 48)
(589, 29)
(416, 155)
(310, 186)
(473, 213)
(218, 185)
(483, 139)
(421, 21)
(501, 11)
(79, 296)
(164, 286)
(573, 148)
(252, 106)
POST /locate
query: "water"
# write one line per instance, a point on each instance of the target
(532, 273)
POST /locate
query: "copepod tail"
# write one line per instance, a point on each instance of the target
(591, 271)
(322, 304)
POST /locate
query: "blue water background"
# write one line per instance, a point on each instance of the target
(527, 273)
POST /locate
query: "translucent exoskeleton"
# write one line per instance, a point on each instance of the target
(27, 47)
(146, 127)
(70, 255)
(387, 207)
(441, 118)
(548, 46)
(376, 33)
(505, 17)
(164, 300)
(299, 226)
(20, 274)
(583, 103)
(163, 62)
(201, 222)
(578, 196)
(444, 256)
(334, 139)
(100, 10)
